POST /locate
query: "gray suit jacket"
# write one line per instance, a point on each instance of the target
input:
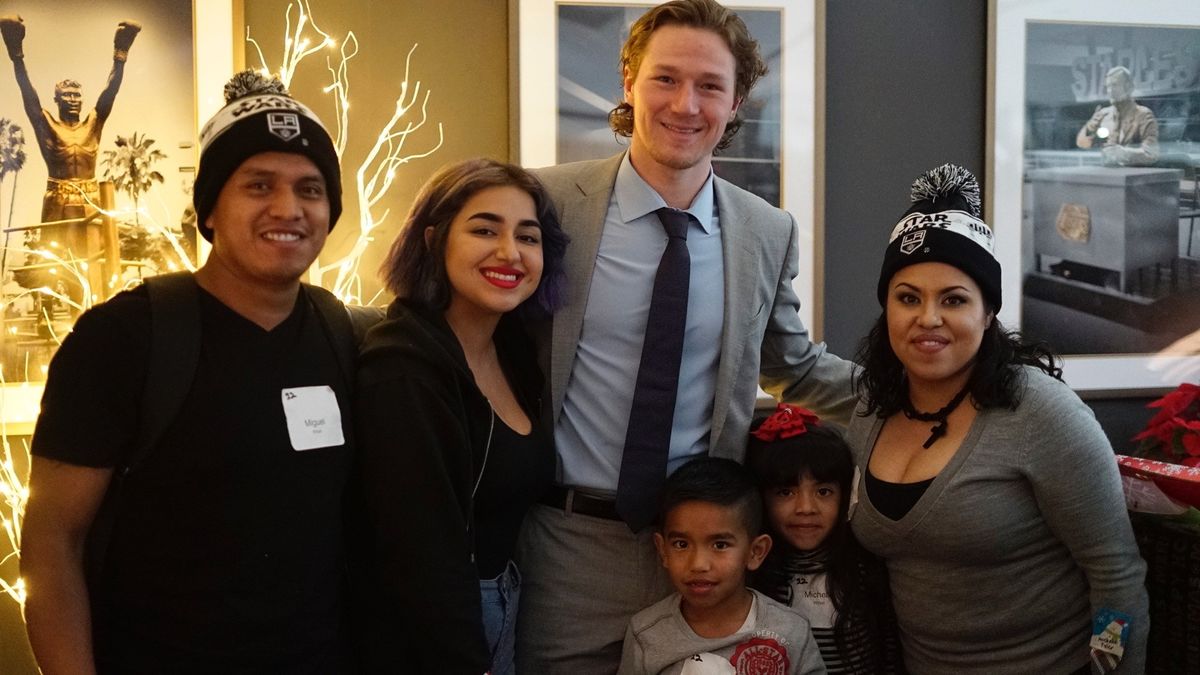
(762, 339)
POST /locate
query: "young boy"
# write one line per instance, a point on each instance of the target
(713, 625)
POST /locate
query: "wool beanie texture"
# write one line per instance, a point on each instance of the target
(260, 116)
(943, 225)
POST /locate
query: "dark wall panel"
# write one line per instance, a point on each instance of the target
(905, 90)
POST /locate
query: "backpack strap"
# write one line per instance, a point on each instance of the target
(335, 320)
(174, 355)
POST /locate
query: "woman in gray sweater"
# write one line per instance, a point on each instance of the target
(987, 485)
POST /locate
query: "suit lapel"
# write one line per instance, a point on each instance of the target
(741, 263)
(583, 216)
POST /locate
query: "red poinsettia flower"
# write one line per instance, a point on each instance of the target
(1174, 431)
(788, 420)
(1191, 441)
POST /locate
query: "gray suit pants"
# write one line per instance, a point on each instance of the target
(583, 579)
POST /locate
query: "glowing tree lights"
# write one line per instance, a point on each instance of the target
(376, 172)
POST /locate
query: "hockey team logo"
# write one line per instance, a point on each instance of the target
(284, 125)
(760, 656)
(912, 241)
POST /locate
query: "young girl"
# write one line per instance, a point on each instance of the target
(805, 471)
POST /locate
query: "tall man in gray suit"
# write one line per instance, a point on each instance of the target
(588, 559)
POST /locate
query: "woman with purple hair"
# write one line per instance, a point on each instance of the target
(452, 453)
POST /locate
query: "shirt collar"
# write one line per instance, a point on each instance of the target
(635, 197)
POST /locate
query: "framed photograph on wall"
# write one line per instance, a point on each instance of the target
(569, 80)
(57, 251)
(1094, 125)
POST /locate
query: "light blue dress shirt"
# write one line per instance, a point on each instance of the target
(590, 433)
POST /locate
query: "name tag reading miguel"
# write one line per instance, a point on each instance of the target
(314, 419)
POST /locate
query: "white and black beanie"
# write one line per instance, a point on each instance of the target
(260, 116)
(943, 225)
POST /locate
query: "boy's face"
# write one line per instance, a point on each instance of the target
(805, 513)
(707, 550)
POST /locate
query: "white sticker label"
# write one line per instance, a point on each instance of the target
(314, 419)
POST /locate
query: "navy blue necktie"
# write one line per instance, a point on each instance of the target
(644, 461)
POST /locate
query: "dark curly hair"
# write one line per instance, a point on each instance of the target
(416, 270)
(995, 379)
(704, 14)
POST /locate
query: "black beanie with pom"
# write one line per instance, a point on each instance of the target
(260, 116)
(943, 225)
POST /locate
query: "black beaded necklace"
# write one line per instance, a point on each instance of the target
(940, 416)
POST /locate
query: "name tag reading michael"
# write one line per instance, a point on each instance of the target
(314, 419)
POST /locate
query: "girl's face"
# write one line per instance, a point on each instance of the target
(493, 252)
(805, 513)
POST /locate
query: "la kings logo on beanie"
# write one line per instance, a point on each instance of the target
(912, 241)
(283, 125)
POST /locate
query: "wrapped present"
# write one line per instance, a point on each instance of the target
(1152, 486)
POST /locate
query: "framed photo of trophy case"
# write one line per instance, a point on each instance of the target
(568, 79)
(1093, 149)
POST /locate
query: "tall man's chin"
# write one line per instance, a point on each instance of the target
(679, 161)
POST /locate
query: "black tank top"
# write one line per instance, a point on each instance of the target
(894, 500)
(518, 469)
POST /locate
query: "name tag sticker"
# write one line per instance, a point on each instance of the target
(1110, 634)
(314, 419)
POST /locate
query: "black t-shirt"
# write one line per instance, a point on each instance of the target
(226, 553)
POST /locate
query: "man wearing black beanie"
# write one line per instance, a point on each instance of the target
(189, 461)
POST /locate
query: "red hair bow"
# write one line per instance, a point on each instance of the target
(788, 420)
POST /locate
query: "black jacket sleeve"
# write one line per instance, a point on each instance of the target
(416, 588)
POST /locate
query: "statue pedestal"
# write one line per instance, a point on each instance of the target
(1113, 218)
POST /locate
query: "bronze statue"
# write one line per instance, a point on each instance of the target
(69, 144)
(1127, 131)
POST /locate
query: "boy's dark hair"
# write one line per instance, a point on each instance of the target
(856, 579)
(717, 481)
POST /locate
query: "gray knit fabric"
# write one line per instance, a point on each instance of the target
(660, 642)
(999, 567)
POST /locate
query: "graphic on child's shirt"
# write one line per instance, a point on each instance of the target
(760, 656)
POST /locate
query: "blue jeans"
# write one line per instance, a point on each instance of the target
(500, 597)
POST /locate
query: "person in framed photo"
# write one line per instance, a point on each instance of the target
(1126, 132)
(70, 143)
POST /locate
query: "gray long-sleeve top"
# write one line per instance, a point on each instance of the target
(1017, 543)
